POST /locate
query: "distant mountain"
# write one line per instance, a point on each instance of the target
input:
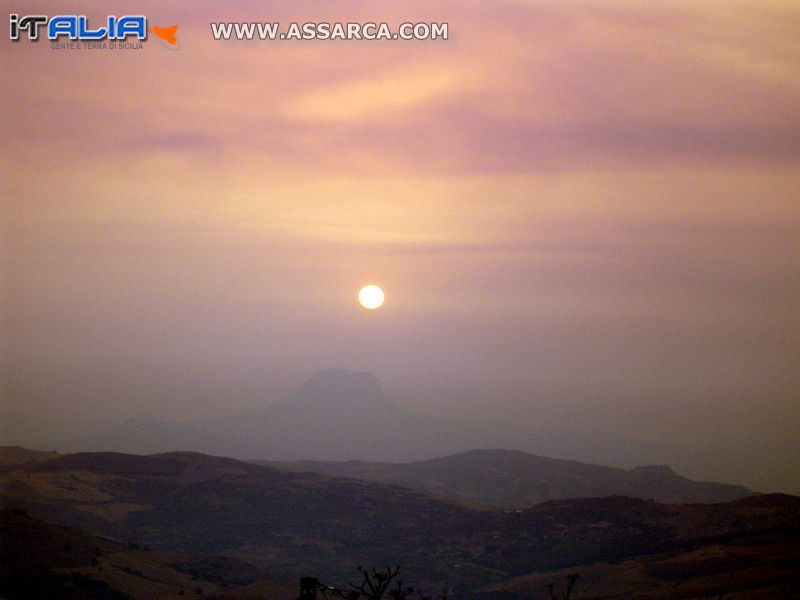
(335, 392)
(513, 479)
(344, 415)
(304, 523)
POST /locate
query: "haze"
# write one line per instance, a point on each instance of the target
(584, 216)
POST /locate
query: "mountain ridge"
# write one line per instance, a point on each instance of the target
(296, 524)
(511, 479)
(344, 415)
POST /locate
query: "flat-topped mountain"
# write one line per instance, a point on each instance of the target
(337, 391)
(344, 415)
(513, 479)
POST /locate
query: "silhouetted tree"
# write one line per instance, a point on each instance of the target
(375, 585)
(571, 580)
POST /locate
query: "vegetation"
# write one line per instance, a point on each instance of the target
(571, 580)
(375, 585)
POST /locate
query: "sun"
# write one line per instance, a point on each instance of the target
(370, 296)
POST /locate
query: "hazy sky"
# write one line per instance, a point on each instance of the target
(582, 213)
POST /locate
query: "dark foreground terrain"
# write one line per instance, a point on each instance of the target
(246, 530)
(44, 561)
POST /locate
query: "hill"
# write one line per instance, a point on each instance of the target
(760, 565)
(303, 523)
(41, 560)
(513, 479)
(14, 456)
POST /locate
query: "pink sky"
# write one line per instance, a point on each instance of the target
(580, 211)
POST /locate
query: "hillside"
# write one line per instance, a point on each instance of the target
(14, 456)
(41, 560)
(708, 572)
(512, 479)
(754, 566)
(302, 523)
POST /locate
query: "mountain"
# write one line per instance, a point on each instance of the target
(344, 415)
(512, 479)
(287, 522)
(298, 524)
(335, 392)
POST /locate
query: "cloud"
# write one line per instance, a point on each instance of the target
(523, 87)
(387, 95)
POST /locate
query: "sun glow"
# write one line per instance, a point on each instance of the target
(371, 297)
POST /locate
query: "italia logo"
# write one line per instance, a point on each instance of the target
(78, 28)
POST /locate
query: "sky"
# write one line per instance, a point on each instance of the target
(583, 214)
